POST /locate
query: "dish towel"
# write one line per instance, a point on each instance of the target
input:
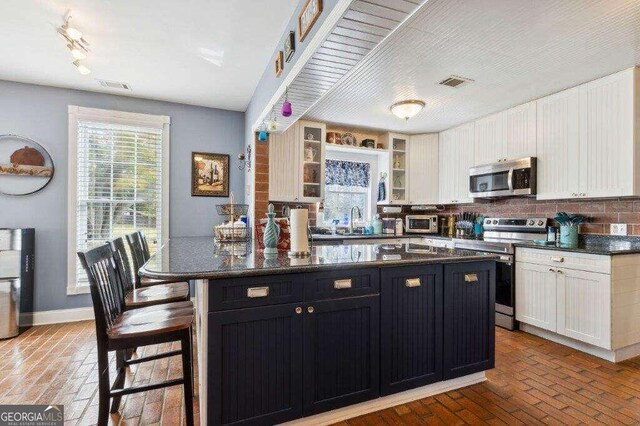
(382, 190)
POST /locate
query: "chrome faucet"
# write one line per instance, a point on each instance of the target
(351, 218)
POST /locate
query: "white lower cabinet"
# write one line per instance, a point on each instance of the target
(584, 306)
(570, 302)
(536, 295)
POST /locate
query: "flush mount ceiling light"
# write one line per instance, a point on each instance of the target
(407, 109)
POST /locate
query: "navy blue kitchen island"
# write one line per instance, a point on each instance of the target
(346, 331)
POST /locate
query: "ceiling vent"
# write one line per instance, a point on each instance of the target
(455, 81)
(114, 84)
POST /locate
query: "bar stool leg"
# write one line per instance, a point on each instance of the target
(121, 372)
(103, 387)
(188, 376)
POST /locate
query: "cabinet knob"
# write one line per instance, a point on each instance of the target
(310, 309)
(574, 194)
(298, 310)
(559, 271)
(552, 270)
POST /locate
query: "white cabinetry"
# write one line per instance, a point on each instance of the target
(507, 135)
(456, 154)
(558, 145)
(423, 169)
(536, 295)
(398, 179)
(489, 142)
(587, 142)
(519, 131)
(575, 303)
(297, 163)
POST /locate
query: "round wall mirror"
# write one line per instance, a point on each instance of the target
(25, 166)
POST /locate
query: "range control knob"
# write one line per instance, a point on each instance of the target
(540, 222)
(531, 223)
(487, 221)
(495, 221)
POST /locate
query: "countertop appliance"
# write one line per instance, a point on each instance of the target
(499, 237)
(392, 226)
(16, 280)
(421, 224)
(503, 179)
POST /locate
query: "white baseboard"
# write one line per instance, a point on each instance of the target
(377, 404)
(58, 316)
(617, 355)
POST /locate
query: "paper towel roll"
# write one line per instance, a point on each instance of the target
(299, 222)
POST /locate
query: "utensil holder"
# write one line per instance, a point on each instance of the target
(569, 235)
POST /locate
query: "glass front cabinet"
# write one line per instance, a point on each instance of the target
(312, 161)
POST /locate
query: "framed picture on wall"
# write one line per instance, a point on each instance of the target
(209, 174)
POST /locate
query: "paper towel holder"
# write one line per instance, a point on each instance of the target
(299, 254)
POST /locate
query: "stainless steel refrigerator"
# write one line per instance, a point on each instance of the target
(16, 280)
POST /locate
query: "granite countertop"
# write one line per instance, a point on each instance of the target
(338, 237)
(200, 257)
(607, 245)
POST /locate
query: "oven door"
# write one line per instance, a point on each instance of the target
(505, 285)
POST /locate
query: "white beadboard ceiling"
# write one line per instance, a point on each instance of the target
(362, 27)
(515, 50)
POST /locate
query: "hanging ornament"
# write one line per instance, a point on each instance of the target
(262, 134)
(286, 106)
(272, 125)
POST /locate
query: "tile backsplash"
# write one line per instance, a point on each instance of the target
(602, 213)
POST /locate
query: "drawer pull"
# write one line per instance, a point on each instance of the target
(471, 278)
(342, 284)
(559, 259)
(257, 292)
(412, 282)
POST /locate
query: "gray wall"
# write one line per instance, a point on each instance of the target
(40, 113)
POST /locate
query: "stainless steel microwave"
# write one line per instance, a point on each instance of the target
(503, 179)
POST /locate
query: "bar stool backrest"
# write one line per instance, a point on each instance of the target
(99, 264)
(123, 265)
(139, 252)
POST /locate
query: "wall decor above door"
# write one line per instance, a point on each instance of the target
(279, 63)
(308, 16)
(25, 166)
(290, 46)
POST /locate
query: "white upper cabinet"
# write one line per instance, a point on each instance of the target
(558, 145)
(507, 135)
(456, 154)
(297, 163)
(398, 168)
(423, 169)
(587, 140)
(519, 131)
(607, 143)
(489, 140)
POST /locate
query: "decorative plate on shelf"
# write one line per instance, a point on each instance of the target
(349, 139)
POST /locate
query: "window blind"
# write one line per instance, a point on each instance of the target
(119, 185)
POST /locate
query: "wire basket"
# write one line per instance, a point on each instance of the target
(231, 233)
(235, 210)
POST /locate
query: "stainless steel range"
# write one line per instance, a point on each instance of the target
(500, 235)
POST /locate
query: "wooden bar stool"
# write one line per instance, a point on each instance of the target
(145, 296)
(140, 255)
(120, 331)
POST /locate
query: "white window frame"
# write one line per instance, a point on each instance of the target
(77, 113)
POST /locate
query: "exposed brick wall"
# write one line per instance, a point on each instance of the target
(261, 183)
(601, 212)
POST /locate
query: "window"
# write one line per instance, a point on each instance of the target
(347, 184)
(118, 181)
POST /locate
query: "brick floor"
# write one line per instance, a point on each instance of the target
(535, 382)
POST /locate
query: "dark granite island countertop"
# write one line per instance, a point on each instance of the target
(200, 257)
(606, 245)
